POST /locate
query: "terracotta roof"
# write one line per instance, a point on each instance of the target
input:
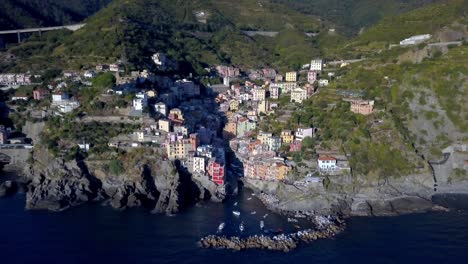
(326, 158)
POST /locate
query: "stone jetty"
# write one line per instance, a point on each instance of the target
(283, 242)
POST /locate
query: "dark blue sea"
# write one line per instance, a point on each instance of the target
(98, 234)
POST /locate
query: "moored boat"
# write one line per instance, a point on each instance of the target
(236, 213)
(241, 227)
(221, 227)
(262, 224)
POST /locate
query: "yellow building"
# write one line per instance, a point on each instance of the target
(234, 105)
(151, 93)
(176, 113)
(287, 136)
(291, 76)
(282, 171)
(263, 106)
(164, 125)
(179, 149)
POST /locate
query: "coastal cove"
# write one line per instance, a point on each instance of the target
(96, 233)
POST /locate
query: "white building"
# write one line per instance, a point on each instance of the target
(316, 65)
(415, 39)
(199, 165)
(161, 108)
(274, 143)
(274, 92)
(327, 163)
(159, 59)
(59, 97)
(245, 97)
(116, 67)
(89, 74)
(140, 101)
(298, 95)
(323, 82)
(68, 106)
(302, 133)
(258, 94)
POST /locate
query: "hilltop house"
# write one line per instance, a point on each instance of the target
(298, 95)
(362, 107)
(316, 65)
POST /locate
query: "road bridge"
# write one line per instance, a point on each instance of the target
(73, 27)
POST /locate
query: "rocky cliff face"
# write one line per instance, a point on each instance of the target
(393, 196)
(54, 184)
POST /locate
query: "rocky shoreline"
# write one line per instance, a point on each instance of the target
(283, 242)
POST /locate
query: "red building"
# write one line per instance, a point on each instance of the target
(216, 171)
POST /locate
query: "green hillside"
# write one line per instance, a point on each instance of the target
(350, 16)
(424, 20)
(134, 30)
(32, 13)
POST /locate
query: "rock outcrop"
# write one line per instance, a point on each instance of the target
(8, 188)
(148, 181)
(397, 196)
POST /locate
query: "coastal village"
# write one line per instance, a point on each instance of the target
(211, 138)
(213, 128)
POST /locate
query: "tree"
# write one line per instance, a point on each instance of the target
(105, 80)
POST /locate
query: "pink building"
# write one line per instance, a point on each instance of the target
(311, 76)
(295, 146)
(40, 94)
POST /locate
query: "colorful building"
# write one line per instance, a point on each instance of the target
(216, 171)
(291, 76)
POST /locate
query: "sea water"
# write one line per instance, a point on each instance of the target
(99, 234)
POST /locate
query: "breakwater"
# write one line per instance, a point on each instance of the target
(283, 242)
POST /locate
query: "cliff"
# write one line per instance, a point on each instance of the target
(146, 180)
(339, 195)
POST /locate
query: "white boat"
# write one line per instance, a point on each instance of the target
(221, 227)
(292, 220)
(235, 204)
(262, 224)
(236, 213)
(241, 227)
(250, 198)
(265, 216)
(252, 213)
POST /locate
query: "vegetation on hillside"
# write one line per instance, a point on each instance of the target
(33, 13)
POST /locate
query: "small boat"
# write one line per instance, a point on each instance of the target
(252, 213)
(278, 231)
(236, 213)
(250, 198)
(297, 226)
(241, 227)
(292, 220)
(235, 204)
(265, 216)
(221, 227)
(262, 224)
